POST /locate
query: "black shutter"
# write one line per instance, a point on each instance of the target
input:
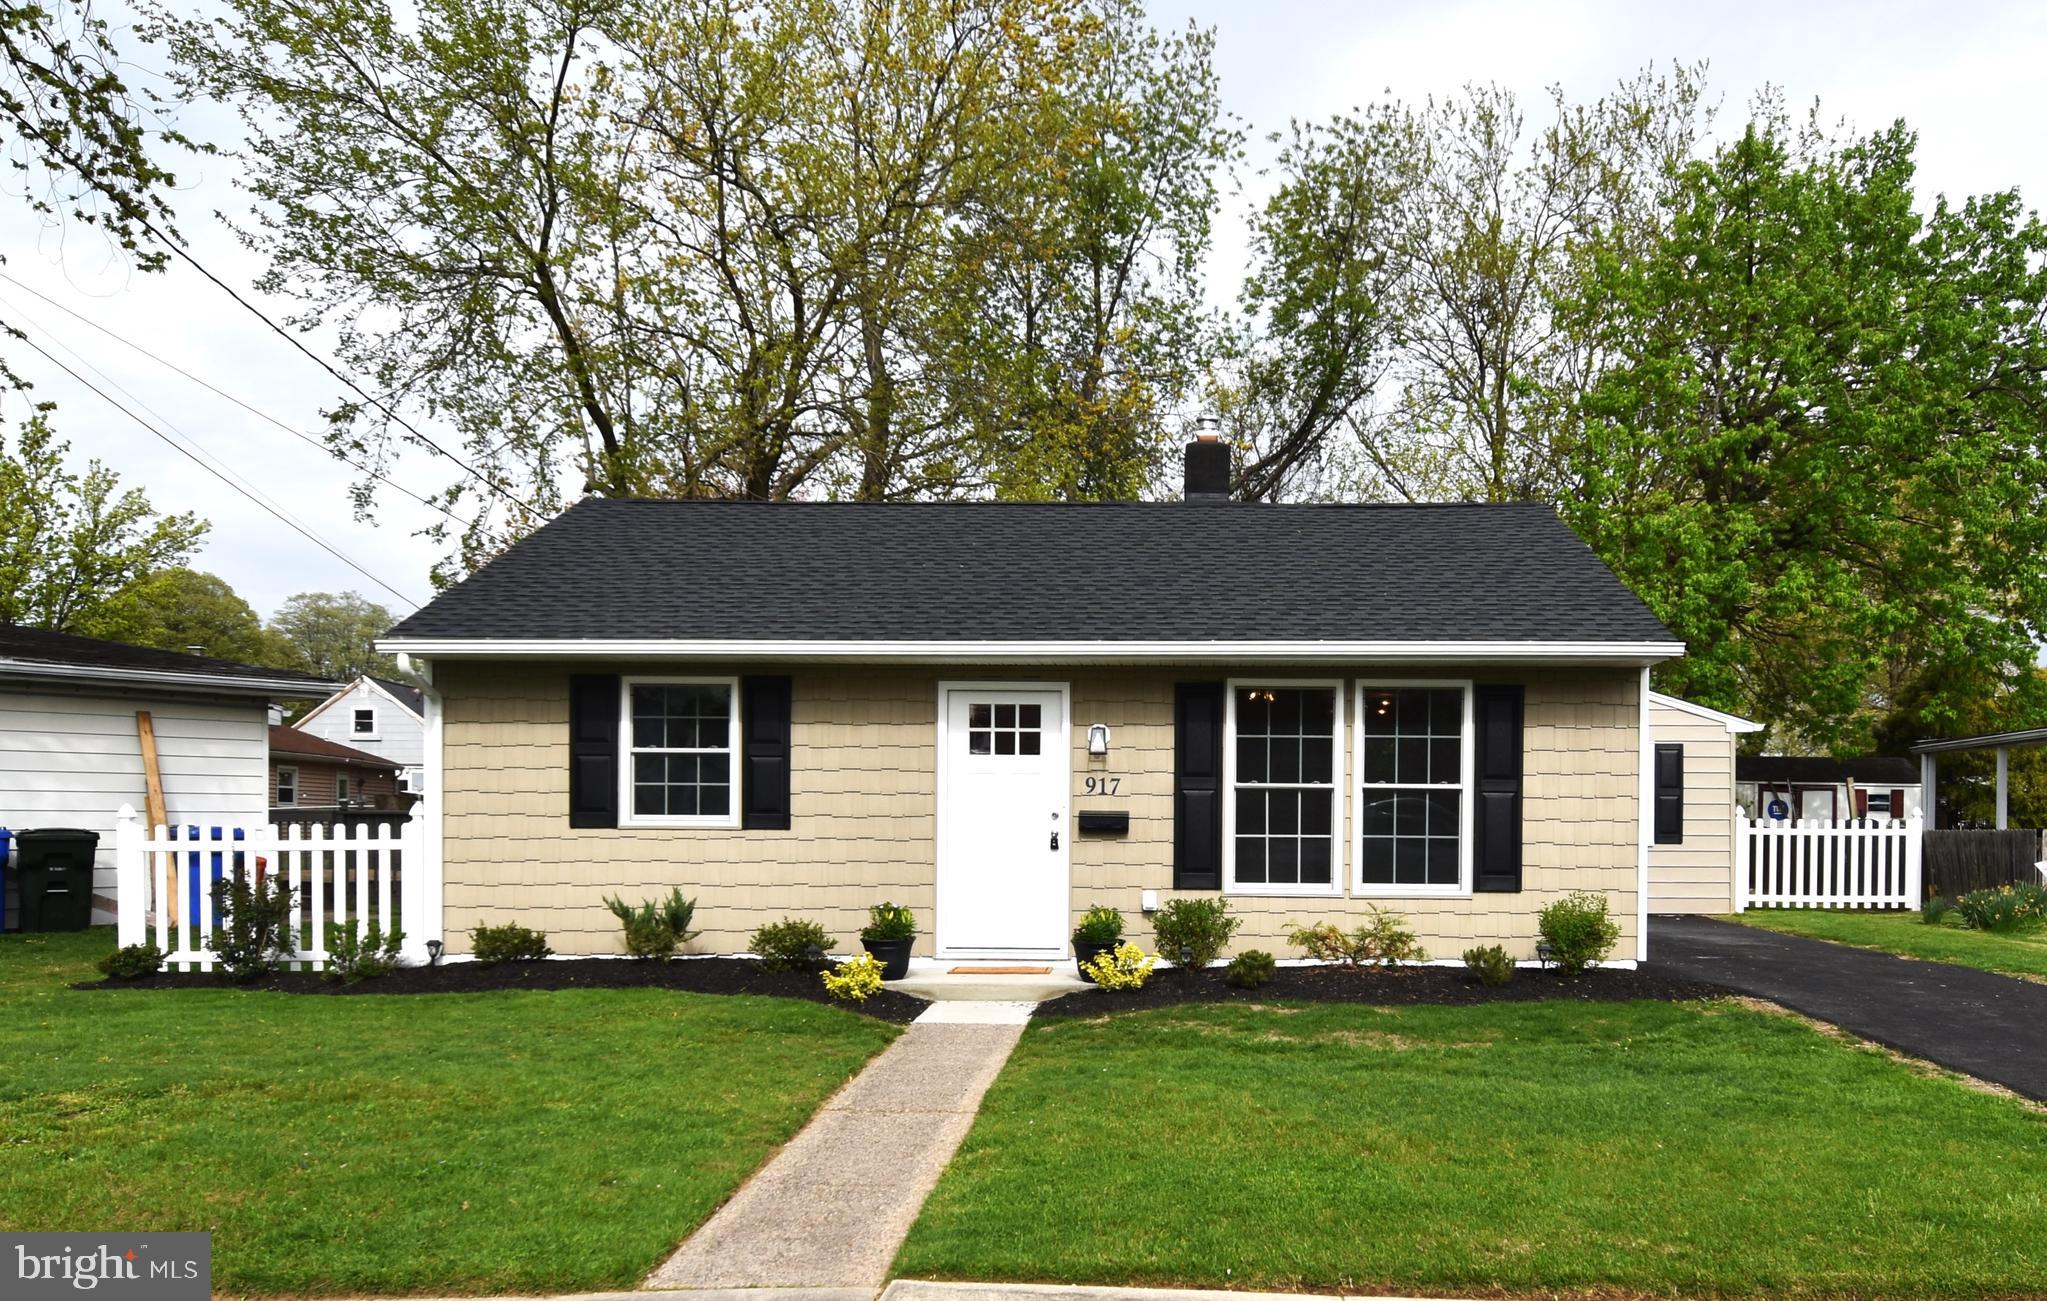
(1197, 786)
(1497, 854)
(1670, 794)
(764, 755)
(593, 750)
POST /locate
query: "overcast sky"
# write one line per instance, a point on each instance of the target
(1964, 76)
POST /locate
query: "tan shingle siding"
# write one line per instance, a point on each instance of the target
(864, 810)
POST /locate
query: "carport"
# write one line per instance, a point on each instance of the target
(2001, 742)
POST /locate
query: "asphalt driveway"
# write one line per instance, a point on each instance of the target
(1982, 1024)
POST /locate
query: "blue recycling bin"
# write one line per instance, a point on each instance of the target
(199, 880)
(6, 846)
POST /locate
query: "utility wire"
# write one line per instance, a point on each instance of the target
(260, 414)
(196, 459)
(177, 246)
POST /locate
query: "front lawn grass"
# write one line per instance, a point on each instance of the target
(1668, 1149)
(488, 1143)
(1904, 934)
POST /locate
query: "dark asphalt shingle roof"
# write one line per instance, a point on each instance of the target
(1779, 768)
(985, 571)
(411, 697)
(33, 646)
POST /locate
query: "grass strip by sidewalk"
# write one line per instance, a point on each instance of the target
(442, 1144)
(1902, 933)
(1688, 1149)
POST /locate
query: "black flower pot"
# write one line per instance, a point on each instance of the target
(893, 955)
(1086, 951)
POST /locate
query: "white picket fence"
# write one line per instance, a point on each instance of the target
(363, 875)
(1857, 863)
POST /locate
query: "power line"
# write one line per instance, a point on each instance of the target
(260, 414)
(177, 246)
(196, 459)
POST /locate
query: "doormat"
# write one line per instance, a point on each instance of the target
(999, 971)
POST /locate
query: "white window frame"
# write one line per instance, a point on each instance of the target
(1466, 771)
(1338, 804)
(626, 816)
(376, 729)
(343, 786)
(278, 791)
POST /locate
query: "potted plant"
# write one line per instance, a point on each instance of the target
(888, 935)
(1100, 931)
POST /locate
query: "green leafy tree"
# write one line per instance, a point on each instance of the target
(1818, 452)
(694, 248)
(177, 609)
(332, 634)
(70, 542)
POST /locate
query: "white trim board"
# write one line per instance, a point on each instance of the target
(1731, 722)
(209, 683)
(1025, 652)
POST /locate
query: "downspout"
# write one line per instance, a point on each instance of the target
(429, 923)
(1645, 800)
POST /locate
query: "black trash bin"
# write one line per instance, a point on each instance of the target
(53, 869)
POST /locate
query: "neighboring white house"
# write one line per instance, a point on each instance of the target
(1692, 856)
(1813, 789)
(386, 718)
(70, 747)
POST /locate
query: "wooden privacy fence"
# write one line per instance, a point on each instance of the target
(1960, 861)
(1855, 863)
(337, 876)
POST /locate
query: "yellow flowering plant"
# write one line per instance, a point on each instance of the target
(1125, 967)
(854, 979)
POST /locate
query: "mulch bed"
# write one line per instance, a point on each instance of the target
(1406, 985)
(694, 975)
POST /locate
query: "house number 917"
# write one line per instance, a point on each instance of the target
(1104, 785)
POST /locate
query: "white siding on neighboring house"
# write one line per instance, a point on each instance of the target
(400, 735)
(70, 758)
(1696, 876)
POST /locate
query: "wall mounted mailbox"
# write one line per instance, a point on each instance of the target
(1103, 822)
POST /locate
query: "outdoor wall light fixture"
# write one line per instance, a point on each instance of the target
(1097, 740)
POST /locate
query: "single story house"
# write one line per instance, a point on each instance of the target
(1002, 713)
(311, 772)
(383, 716)
(1783, 787)
(74, 746)
(1692, 840)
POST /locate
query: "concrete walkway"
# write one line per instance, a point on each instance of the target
(831, 1208)
(1977, 1022)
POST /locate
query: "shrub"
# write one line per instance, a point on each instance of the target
(493, 944)
(1100, 925)
(2004, 910)
(854, 979)
(1490, 964)
(132, 962)
(1124, 967)
(658, 927)
(887, 921)
(1578, 931)
(253, 935)
(790, 944)
(1191, 932)
(1250, 969)
(1935, 910)
(1383, 938)
(357, 954)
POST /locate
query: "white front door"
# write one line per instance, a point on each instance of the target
(1002, 834)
